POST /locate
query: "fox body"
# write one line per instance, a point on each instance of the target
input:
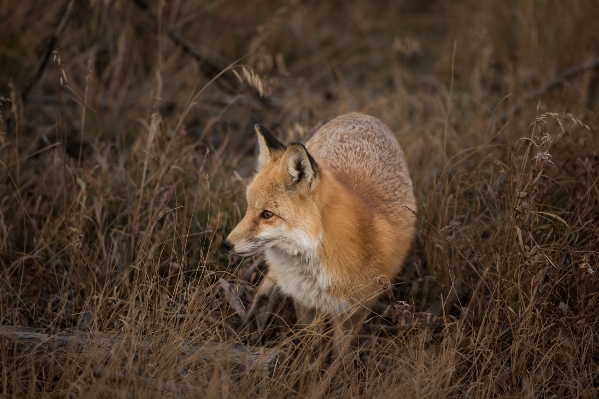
(332, 217)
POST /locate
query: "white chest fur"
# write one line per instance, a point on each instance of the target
(302, 276)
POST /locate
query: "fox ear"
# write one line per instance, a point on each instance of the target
(301, 167)
(269, 146)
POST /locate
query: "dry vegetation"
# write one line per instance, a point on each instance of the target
(123, 161)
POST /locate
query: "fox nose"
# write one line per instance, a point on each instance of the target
(228, 246)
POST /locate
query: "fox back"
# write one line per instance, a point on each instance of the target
(332, 217)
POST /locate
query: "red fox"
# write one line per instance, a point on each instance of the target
(331, 217)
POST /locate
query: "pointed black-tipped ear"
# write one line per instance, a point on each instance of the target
(301, 167)
(269, 146)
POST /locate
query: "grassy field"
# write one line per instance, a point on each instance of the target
(126, 143)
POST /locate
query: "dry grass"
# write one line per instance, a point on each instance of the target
(124, 167)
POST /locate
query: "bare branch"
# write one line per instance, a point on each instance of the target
(556, 82)
(210, 68)
(101, 347)
(50, 42)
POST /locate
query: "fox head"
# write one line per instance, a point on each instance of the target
(282, 201)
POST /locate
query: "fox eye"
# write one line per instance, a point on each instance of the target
(267, 214)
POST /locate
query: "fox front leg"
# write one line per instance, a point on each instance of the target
(346, 328)
(305, 316)
(264, 289)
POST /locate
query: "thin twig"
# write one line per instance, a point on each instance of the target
(556, 82)
(455, 43)
(378, 365)
(443, 305)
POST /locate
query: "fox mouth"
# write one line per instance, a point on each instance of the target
(244, 254)
(251, 247)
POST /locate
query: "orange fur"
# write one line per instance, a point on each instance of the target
(340, 217)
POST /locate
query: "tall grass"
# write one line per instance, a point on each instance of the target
(125, 166)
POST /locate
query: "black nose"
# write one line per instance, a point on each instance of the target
(227, 245)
